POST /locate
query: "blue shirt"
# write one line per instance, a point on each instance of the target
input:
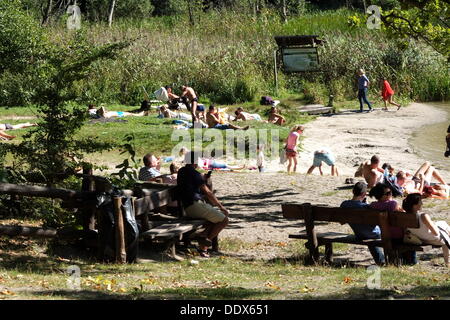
(361, 82)
(362, 231)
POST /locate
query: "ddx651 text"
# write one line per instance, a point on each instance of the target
(237, 309)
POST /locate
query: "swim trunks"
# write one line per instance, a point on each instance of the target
(222, 126)
(8, 126)
(200, 108)
(120, 114)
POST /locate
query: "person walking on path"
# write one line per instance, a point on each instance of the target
(387, 93)
(291, 146)
(363, 84)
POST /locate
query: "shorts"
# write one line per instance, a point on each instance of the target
(328, 158)
(222, 126)
(201, 108)
(120, 114)
(201, 210)
(218, 165)
(291, 153)
(8, 126)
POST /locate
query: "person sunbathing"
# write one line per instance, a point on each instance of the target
(245, 116)
(214, 120)
(6, 126)
(421, 179)
(166, 113)
(275, 117)
(103, 113)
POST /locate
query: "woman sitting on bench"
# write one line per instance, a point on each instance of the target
(435, 233)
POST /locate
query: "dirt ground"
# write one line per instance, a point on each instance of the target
(254, 199)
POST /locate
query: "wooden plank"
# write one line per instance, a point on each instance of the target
(38, 191)
(330, 237)
(386, 237)
(402, 219)
(121, 255)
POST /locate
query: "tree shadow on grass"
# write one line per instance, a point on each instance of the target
(228, 293)
(418, 292)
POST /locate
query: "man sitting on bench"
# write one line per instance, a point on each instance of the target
(193, 187)
(363, 231)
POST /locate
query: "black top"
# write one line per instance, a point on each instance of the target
(189, 182)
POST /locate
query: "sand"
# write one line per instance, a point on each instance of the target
(255, 199)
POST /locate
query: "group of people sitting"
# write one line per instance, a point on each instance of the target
(404, 182)
(429, 232)
(196, 189)
(384, 185)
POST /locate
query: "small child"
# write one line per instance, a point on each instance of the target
(389, 172)
(260, 157)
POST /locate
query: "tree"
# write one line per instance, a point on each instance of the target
(421, 19)
(111, 12)
(50, 149)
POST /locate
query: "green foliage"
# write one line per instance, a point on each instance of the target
(128, 173)
(22, 42)
(423, 19)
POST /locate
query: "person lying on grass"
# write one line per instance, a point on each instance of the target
(245, 116)
(103, 113)
(430, 232)
(214, 121)
(6, 126)
(193, 191)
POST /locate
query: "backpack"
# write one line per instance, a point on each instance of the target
(266, 101)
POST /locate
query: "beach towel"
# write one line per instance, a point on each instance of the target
(161, 94)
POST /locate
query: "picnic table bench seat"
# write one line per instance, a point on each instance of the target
(314, 213)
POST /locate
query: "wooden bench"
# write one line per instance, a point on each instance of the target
(169, 229)
(312, 214)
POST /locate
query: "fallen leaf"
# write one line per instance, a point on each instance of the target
(6, 292)
(272, 286)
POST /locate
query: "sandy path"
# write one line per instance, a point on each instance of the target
(255, 199)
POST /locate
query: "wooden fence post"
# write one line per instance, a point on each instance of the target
(121, 255)
(313, 244)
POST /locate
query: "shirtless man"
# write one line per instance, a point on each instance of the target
(372, 172)
(275, 117)
(213, 120)
(189, 93)
(7, 126)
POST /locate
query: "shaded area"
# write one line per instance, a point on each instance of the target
(228, 293)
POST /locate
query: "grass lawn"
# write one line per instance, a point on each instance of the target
(38, 270)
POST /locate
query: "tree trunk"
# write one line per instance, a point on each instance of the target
(47, 13)
(365, 6)
(191, 14)
(111, 12)
(284, 12)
